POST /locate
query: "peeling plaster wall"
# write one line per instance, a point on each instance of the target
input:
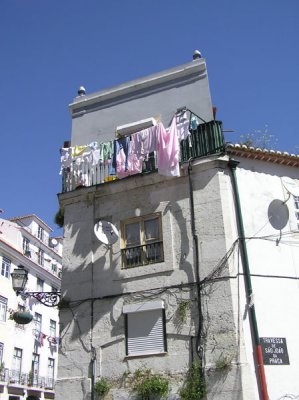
(93, 270)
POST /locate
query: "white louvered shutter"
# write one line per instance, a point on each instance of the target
(145, 332)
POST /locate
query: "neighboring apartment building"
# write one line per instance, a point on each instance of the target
(28, 353)
(172, 280)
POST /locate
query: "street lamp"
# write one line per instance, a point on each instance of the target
(19, 279)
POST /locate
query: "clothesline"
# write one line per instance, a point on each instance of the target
(40, 336)
(125, 156)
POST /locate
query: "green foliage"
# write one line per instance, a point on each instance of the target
(223, 363)
(194, 387)
(147, 384)
(183, 307)
(101, 387)
(259, 138)
(59, 218)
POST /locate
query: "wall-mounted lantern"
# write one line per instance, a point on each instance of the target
(19, 279)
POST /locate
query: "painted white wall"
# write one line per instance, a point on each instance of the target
(22, 336)
(274, 257)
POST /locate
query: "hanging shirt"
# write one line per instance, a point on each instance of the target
(194, 122)
(127, 164)
(78, 150)
(168, 150)
(145, 141)
(96, 156)
(182, 126)
(65, 158)
(93, 145)
(121, 144)
(106, 150)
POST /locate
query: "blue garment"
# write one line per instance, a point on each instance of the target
(121, 144)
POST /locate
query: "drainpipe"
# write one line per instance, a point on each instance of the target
(199, 349)
(93, 358)
(248, 286)
(92, 351)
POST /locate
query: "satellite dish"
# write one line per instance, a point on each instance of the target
(291, 186)
(106, 232)
(54, 242)
(278, 214)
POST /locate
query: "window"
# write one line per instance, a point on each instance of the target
(40, 233)
(296, 203)
(41, 257)
(142, 241)
(145, 328)
(5, 270)
(52, 328)
(50, 378)
(39, 285)
(54, 268)
(38, 322)
(17, 365)
(35, 369)
(3, 308)
(1, 352)
(26, 247)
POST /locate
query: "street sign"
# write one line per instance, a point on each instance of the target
(274, 351)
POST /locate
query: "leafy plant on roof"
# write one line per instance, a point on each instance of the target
(59, 218)
(259, 138)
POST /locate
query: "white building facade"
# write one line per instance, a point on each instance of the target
(191, 264)
(29, 352)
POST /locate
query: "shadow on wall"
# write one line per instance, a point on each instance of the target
(100, 264)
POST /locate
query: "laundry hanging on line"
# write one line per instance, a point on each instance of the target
(125, 156)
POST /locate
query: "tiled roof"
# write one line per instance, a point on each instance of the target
(257, 153)
(33, 216)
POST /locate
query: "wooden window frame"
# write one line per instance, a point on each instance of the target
(144, 246)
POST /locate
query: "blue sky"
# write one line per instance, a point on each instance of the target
(50, 48)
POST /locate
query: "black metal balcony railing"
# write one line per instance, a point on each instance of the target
(16, 377)
(142, 255)
(207, 139)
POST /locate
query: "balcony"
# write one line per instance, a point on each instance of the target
(16, 378)
(142, 255)
(206, 139)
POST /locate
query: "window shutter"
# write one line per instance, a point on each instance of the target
(145, 332)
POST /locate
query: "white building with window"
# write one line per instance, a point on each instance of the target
(178, 248)
(28, 353)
